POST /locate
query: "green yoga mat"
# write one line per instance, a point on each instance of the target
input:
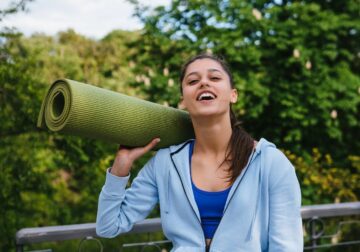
(81, 109)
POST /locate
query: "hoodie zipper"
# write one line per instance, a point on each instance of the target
(246, 168)
(204, 241)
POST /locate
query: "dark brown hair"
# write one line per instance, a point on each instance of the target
(241, 144)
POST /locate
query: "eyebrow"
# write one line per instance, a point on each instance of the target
(209, 70)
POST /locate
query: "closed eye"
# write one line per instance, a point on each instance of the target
(215, 78)
(192, 82)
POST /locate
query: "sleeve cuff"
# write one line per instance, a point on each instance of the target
(115, 184)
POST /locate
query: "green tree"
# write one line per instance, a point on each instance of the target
(295, 63)
(47, 178)
(14, 7)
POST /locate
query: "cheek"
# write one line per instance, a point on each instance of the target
(226, 93)
(188, 92)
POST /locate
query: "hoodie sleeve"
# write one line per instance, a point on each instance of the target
(285, 223)
(120, 209)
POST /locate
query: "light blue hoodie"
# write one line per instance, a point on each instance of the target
(262, 211)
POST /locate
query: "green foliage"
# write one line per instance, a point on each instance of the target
(13, 7)
(322, 182)
(295, 64)
(51, 179)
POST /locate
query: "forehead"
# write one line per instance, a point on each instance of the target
(201, 65)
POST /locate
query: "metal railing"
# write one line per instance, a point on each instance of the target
(312, 219)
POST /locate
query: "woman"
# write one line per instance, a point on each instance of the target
(222, 191)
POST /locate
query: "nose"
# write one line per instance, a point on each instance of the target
(204, 83)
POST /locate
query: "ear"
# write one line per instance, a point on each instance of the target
(233, 96)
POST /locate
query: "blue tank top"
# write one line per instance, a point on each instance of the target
(210, 204)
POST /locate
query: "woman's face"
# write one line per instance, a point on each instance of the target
(206, 89)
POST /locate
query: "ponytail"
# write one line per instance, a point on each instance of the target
(239, 149)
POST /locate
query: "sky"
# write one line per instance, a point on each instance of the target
(92, 18)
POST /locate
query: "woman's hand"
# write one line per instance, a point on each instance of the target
(125, 158)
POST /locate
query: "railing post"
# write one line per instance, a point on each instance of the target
(313, 233)
(19, 248)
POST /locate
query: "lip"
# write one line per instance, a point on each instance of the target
(206, 91)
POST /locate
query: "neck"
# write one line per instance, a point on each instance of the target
(212, 135)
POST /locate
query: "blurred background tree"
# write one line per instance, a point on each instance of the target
(51, 179)
(14, 7)
(296, 65)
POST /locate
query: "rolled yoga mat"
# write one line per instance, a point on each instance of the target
(81, 109)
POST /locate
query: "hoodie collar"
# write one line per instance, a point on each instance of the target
(180, 158)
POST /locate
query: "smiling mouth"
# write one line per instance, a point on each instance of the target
(206, 96)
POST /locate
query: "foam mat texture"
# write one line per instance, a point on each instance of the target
(85, 110)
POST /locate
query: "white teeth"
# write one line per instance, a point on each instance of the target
(206, 95)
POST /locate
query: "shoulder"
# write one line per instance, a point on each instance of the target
(163, 156)
(273, 161)
(270, 154)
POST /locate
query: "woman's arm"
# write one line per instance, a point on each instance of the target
(285, 223)
(119, 209)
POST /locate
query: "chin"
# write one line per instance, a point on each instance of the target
(207, 113)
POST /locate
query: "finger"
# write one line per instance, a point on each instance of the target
(149, 146)
(152, 144)
(139, 151)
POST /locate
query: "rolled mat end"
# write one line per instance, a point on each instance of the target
(85, 110)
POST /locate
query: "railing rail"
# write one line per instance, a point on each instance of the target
(330, 210)
(68, 232)
(77, 231)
